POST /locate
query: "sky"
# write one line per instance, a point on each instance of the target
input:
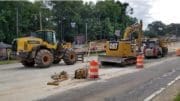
(166, 11)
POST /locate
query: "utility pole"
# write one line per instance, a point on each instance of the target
(17, 22)
(61, 31)
(40, 18)
(86, 33)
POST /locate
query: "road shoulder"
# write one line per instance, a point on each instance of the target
(170, 93)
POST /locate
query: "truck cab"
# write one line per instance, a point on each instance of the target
(152, 48)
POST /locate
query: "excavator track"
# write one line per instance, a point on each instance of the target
(121, 61)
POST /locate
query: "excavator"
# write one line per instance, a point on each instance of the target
(124, 51)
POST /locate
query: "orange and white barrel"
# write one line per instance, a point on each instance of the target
(140, 61)
(178, 52)
(94, 70)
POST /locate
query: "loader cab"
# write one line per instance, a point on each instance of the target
(48, 36)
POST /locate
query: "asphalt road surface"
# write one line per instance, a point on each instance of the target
(136, 86)
(18, 83)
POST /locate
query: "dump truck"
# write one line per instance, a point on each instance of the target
(123, 51)
(42, 49)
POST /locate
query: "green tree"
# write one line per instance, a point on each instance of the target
(156, 28)
(28, 15)
(102, 18)
(2, 36)
(173, 29)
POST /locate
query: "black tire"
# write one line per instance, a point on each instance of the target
(70, 57)
(123, 64)
(28, 63)
(160, 54)
(163, 54)
(103, 63)
(44, 58)
(147, 57)
(56, 61)
(164, 51)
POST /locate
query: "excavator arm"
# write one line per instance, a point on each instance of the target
(133, 28)
(137, 27)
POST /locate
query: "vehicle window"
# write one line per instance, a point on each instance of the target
(151, 45)
(38, 35)
(49, 37)
(54, 38)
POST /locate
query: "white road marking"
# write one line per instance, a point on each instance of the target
(172, 82)
(149, 98)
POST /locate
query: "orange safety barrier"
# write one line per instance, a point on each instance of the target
(178, 52)
(140, 61)
(94, 70)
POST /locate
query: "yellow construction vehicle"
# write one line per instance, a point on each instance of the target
(67, 45)
(124, 51)
(164, 45)
(42, 49)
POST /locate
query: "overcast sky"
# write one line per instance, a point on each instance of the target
(166, 11)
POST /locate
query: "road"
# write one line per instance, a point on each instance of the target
(136, 86)
(18, 83)
(15, 80)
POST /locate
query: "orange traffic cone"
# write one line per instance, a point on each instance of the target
(178, 52)
(140, 61)
(94, 70)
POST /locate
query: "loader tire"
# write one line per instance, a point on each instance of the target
(70, 57)
(56, 61)
(28, 63)
(44, 58)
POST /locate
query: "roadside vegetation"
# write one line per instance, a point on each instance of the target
(177, 98)
(8, 62)
(69, 18)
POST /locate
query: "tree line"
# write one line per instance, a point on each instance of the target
(71, 18)
(67, 18)
(158, 28)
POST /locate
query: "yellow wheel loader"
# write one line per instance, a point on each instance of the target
(41, 49)
(124, 51)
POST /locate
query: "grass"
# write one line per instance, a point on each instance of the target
(8, 62)
(177, 98)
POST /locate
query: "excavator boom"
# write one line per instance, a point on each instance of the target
(133, 28)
